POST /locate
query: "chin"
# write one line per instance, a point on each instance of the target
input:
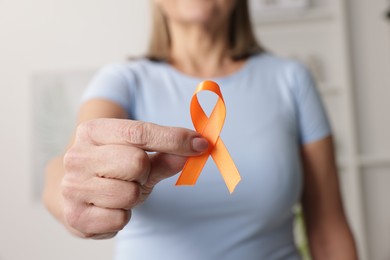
(197, 11)
(198, 19)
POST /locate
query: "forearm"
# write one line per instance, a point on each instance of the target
(329, 234)
(328, 231)
(332, 241)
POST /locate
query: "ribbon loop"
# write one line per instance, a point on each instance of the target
(210, 128)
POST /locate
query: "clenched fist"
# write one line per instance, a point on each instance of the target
(108, 170)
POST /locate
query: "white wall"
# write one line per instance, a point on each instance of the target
(44, 36)
(371, 52)
(371, 63)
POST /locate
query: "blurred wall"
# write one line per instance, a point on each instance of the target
(370, 47)
(44, 36)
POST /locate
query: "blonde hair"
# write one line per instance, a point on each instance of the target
(241, 38)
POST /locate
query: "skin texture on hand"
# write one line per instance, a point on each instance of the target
(108, 172)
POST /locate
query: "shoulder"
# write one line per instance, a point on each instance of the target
(283, 73)
(279, 65)
(130, 69)
(118, 81)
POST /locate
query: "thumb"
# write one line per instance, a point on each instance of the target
(163, 166)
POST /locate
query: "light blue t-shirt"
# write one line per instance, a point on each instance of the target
(273, 108)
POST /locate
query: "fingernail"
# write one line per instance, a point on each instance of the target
(200, 144)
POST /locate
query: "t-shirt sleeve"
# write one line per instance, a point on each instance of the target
(112, 83)
(312, 118)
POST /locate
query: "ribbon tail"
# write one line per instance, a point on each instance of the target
(192, 170)
(226, 166)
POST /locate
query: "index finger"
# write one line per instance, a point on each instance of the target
(147, 136)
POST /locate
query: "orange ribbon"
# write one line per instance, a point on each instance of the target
(210, 128)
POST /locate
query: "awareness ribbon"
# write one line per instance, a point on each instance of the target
(210, 128)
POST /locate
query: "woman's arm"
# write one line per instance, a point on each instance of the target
(328, 232)
(107, 171)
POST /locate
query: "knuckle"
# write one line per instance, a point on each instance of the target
(132, 195)
(175, 138)
(72, 216)
(71, 189)
(172, 138)
(137, 133)
(139, 163)
(67, 190)
(120, 220)
(84, 130)
(72, 159)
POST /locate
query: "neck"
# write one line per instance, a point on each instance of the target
(201, 52)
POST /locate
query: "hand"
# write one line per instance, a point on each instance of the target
(108, 172)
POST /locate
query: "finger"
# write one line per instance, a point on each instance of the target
(93, 221)
(163, 166)
(112, 193)
(147, 136)
(120, 162)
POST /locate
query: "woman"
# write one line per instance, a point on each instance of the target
(276, 132)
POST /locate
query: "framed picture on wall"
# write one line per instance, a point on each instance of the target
(55, 101)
